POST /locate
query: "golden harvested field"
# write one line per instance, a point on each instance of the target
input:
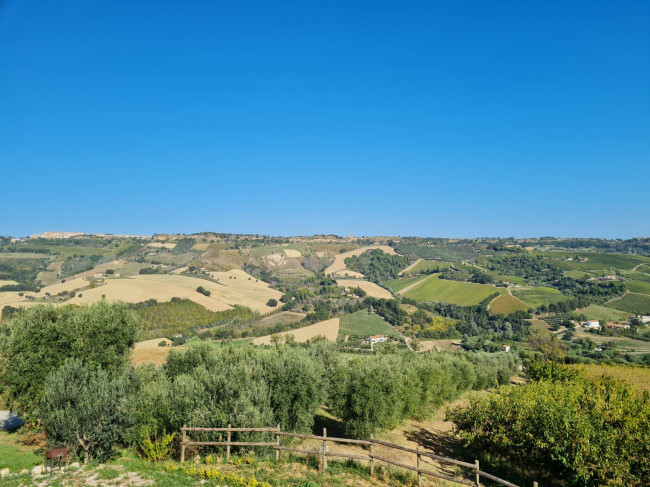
(201, 246)
(440, 345)
(293, 253)
(71, 285)
(370, 287)
(5, 282)
(101, 268)
(10, 297)
(148, 352)
(161, 245)
(338, 266)
(135, 290)
(180, 270)
(238, 279)
(328, 328)
(228, 292)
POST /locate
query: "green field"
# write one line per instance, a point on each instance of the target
(361, 324)
(506, 304)
(575, 274)
(397, 285)
(537, 296)
(595, 262)
(633, 303)
(427, 266)
(16, 456)
(603, 313)
(510, 279)
(638, 287)
(454, 292)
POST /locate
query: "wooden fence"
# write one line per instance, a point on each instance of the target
(324, 452)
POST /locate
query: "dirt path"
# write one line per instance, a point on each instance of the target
(408, 288)
(410, 267)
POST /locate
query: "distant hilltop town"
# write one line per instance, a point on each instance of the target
(62, 235)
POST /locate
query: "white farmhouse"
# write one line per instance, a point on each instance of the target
(592, 324)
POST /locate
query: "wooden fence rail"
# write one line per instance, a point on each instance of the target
(324, 452)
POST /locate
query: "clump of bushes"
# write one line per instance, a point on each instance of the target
(589, 431)
(203, 291)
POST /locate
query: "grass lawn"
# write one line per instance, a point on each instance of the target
(510, 279)
(632, 303)
(397, 285)
(17, 456)
(537, 296)
(597, 312)
(454, 292)
(506, 304)
(361, 324)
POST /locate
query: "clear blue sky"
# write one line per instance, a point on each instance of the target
(457, 118)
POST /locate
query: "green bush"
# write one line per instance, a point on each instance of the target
(590, 432)
(85, 409)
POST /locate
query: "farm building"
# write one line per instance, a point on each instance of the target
(617, 326)
(377, 339)
(591, 324)
(639, 319)
(505, 348)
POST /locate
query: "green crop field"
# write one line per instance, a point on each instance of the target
(510, 279)
(361, 324)
(638, 287)
(397, 285)
(537, 296)
(603, 313)
(427, 266)
(633, 303)
(506, 304)
(454, 292)
(637, 276)
(574, 274)
(595, 262)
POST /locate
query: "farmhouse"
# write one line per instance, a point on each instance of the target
(505, 348)
(617, 326)
(377, 339)
(591, 324)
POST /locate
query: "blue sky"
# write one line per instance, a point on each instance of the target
(458, 118)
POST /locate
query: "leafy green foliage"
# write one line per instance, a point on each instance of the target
(85, 409)
(40, 339)
(203, 291)
(588, 431)
(378, 392)
(377, 265)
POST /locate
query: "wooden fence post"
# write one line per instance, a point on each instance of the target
(478, 476)
(372, 460)
(277, 442)
(228, 445)
(183, 444)
(324, 449)
(419, 472)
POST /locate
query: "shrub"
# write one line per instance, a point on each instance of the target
(588, 431)
(157, 449)
(203, 291)
(272, 303)
(85, 409)
(162, 343)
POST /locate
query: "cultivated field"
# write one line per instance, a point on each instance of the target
(293, 253)
(6, 282)
(638, 287)
(454, 292)
(370, 287)
(422, 265)
(537, 296)
(396, 285)
(506, 304)
(238, 279)
(363, 323)
(328, 329)
(148, 352)
(632, 303)
(637, 376)
(603, 313)
(162, 245)
(338, 267)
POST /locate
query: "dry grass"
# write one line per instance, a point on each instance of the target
(339, 268)
(440, 345)
(7, 282)
(148, 352)
(370, 287)
(161, 245)
(293, 253)
(328, 329)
